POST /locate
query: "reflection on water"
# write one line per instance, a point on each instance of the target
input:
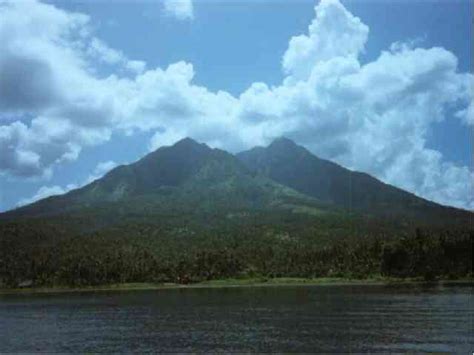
(283, 319)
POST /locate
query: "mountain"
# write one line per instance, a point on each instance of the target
(191, 178)
(291, 165)
(189, 213)
(187, 177)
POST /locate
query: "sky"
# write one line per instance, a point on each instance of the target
(383, 87)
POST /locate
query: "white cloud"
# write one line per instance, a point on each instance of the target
(46, 191)
(136, 66)
(100, 170)
(334, 32)
(179, 9)
(47, 72)
(99, 50)
(373, 117)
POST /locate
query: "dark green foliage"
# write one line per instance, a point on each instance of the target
(448, 254)
(254, 245)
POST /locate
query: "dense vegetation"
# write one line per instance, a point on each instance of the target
(50, 253)
(188, 213)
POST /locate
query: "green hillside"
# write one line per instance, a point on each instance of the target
(291, 165)
(186, 177)
(189, 213)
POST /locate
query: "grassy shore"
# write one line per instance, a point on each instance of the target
(229, 283)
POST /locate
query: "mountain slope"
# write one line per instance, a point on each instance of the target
(191, 178)
(187, 177)
(289, 164)
(189, 213)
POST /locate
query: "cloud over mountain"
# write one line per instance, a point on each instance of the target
(46, 191)
(372, 117)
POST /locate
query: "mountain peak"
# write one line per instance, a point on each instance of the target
(285, 146)
(187, 141)
(283, 142)
(187, 146)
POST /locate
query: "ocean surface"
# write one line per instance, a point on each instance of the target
(251, 319)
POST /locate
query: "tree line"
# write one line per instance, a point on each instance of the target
(49, 254)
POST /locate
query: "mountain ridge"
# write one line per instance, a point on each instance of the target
(189, 173)
(294, 166)
(188, 213)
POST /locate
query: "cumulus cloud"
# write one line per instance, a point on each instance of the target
(99, 50)
(334, 32)
(100, 170)
(179, 9)
(47, 67)
(46, 191)
(374, 117)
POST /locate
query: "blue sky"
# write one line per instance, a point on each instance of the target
(421, 142)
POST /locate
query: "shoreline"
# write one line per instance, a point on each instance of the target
(238, 283)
